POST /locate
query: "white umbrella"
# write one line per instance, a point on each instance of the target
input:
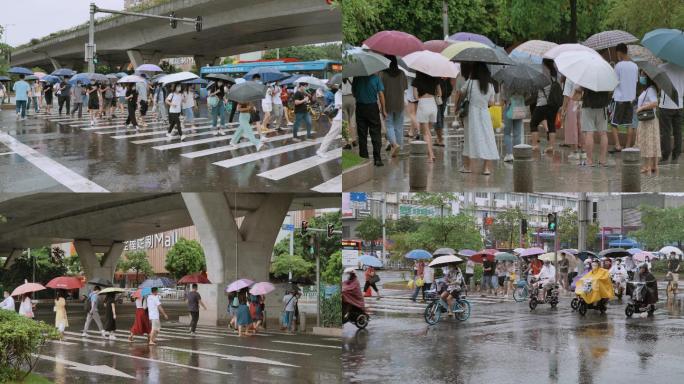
(432, 64)
(312, 81)
(176, 77)
(587, 70)
(131, 79)
(558, 49)
(444, 260)
(669, 249)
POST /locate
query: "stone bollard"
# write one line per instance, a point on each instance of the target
(418, 165)
(631, 170)
(523, 180)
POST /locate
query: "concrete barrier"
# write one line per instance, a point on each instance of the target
(418, 165)
(631, 170)
(522, 168)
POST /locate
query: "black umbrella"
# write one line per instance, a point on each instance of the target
(659, 77)
(483, 55)
(100, 281)
(614, 252)
(521, 79)
(583, 255)
(246, 92)
(220, 76)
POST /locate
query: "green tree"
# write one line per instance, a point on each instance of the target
(568, 229)
(185, 257)
(660, 226)
(49, 263)
(359, 17)
(333, 271)
(73, 264)
(370, 229)
(403, 224)
(506, 226)
(307, 52)
(300, 267)
(636, 17)
(137, 261)
(440, 200)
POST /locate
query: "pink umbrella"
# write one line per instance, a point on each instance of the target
(436, 45)
(238, 285)
(558, 49)
(39, 75)
(432, 64)
(26, 288)
(641, 256)
(261, 288)
(394, 43)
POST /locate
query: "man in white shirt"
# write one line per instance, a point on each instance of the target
(624, 96)
(8, 303)
(547, 277)
(335, 125)
(671, 114)
(153, 309)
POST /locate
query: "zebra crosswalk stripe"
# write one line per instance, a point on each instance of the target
(226, 148)
(264, 154)
(332, 185)
(301, 165)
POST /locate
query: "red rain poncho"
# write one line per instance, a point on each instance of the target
(351, 293)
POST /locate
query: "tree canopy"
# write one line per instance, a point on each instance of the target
(185, 257)
(307, 52)
(136, 261)
(660, 226)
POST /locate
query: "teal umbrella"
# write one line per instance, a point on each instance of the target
(667, 44)
(504, 256)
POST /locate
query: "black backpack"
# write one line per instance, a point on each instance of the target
(555, 96)
(596, 100)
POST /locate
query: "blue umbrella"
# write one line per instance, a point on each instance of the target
(370, 261)
(418, 254)
(4, 78)
(121, 74)
(268, 74)
(20, 71)
(51, 79)
(164, 282)
(195, 81)
(63, 72)
(667, 44)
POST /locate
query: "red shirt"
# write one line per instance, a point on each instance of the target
(536, 266)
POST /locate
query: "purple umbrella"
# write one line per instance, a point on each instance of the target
(532, 252)
(149, 68)
(238, 285)
(466, 252)
(467, 36)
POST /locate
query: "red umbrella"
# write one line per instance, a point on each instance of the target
(196, 278)
(394, 43)
(436, 46)
(65, 282)
(484, 254)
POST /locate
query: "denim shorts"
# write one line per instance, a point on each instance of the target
(189, 115)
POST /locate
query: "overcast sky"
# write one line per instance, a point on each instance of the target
(24, 20)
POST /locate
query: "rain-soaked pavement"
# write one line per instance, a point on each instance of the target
(504, 342)
(214, 355)
(554, 173)
(52, 153)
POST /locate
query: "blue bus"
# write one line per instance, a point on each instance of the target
(322, 69)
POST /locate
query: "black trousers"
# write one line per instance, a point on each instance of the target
(77, 107)
(131, 115)
(194, 317)
(233, 108)
(368, 122)
(61, 100)
(174, 120)
(368, 284)
(670, 121)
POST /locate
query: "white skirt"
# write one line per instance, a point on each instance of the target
(427, 110)
(266, 105)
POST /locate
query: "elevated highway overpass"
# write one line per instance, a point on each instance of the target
(229, 27)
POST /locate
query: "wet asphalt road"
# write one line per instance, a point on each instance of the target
(504, 342)
(118, 160)
(214, 355)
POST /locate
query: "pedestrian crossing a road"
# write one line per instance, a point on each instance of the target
(403, 304)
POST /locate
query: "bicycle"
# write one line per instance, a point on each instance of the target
(521, 291)
(433, 311)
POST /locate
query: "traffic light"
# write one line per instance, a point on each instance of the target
(173, 23)
(305, 226)
(553, 222)
(523, 226)
(331, 228)
(198, 24)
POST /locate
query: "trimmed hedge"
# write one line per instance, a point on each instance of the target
(331, 310)
(20, 338)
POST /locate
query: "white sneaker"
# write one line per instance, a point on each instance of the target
(574, 156)
(103, 333)
(92, 123)
(84, 334)
(169, 135)
(220, 132)
(137, 129)
(259, 146)
(321, 154)
(290, 123)
(216, 132)
(112, 336)
(127, 126)
(182, 137)
(584, 155)
(508, 158)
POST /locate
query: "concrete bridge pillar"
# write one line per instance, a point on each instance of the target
(55, 64)
(235, 248)
(103, 267)
(138, 57)
(11, 256)
(201, 61)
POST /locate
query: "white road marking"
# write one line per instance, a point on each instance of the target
(307, 344)
(84, 340)
(6, 153)
(265, 349)
(148, 132)
(247, 359)
(234, 162)
(96, 335)
(100, 369)
(57, 171)
(164, 362)
(62, 342)
(301, 165)
(185, 133)
(331, 186)
(226, 148)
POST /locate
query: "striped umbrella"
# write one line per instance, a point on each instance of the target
(637, 52)
(607, 39)
(533, 50)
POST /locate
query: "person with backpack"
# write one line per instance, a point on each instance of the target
(549, 101)
(594, 119)
(622, 106)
